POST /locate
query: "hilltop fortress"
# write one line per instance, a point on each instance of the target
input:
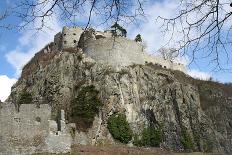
(74, 88)
(105, 48)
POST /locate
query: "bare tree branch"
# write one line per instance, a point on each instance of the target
(67, 10)
(205, 29)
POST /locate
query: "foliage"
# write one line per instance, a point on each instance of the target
(186, 140)
(138, 38)
(25, 98)
(150, 136)
(117, 26)
(208, 146)
(119, 128)
(85, 106)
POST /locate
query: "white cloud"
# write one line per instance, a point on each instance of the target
(31, 41)
(151, 29)
(199, 74)
(5, 86)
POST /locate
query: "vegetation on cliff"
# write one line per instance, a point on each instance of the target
(119, 128)
(150, 136)
(25, 98)
(85, 106)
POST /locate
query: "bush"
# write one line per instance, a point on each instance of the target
(119, 128)
(208, 146)
(25, 98)
(150, 136)
(138, 38)
(85, 106)
(186, 140)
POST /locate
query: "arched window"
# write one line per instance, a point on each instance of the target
(74, 41)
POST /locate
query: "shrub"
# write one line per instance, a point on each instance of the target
(119, 128)
(138, 38)
(85, 106)
(25, 98)
(208, 146)
(186, 140)
(150, 136)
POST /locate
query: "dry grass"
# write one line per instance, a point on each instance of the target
(122, 150)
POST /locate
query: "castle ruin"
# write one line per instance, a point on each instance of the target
(105, 48)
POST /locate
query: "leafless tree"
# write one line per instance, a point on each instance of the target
(108, 10)
(205, 28)
(3, 16)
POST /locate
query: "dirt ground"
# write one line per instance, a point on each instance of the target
(122, 150)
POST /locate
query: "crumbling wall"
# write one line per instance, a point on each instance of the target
(30, 130)
(71, 36)
(23, 131)
(58, 41)
(164, 63)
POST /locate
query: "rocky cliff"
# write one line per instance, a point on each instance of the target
(185, 114)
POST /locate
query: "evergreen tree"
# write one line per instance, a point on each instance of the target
(138, 38)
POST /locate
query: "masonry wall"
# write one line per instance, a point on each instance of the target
(70, 37)
(23, 131)
(164, 63)
(58, 41)
(114, 51)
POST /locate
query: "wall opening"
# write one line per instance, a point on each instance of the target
(38, 119)
(74, 34)
(74, 41)
(65, 42)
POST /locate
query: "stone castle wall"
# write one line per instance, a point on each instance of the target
(164, 63)
(71, 36)
(23, 131)
(30, 130)
(114, 51)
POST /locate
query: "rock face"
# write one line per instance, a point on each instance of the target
(146, 94)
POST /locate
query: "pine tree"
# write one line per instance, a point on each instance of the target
(138, 38)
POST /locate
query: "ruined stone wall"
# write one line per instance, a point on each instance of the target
(58, 41)
(23, 131)
(120, 52)
(117, 52)
(70, 37)
(164, 63)
(114, 51)
(30, 130)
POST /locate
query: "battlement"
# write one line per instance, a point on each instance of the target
(110, 48)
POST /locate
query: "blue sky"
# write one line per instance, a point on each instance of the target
(16, 48)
